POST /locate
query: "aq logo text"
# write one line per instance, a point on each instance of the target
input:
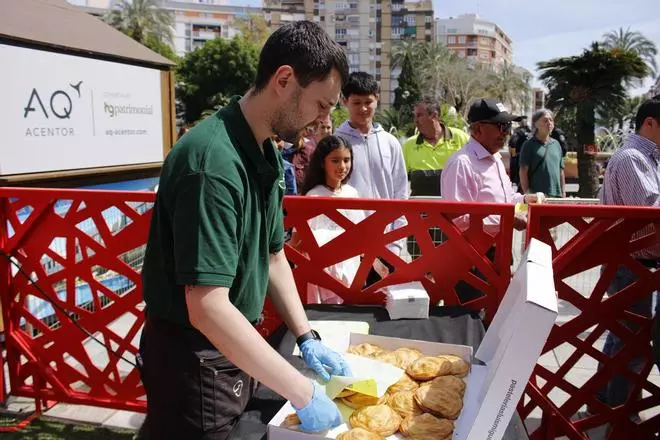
(59, 103)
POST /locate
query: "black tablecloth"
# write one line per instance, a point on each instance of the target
(452, 325)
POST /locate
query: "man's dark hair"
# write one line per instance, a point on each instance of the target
(307, 48)
(649, 109)
(360, 83)
(432, 105)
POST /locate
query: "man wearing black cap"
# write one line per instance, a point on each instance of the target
(476, 172)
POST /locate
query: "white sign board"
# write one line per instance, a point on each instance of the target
(63, 112)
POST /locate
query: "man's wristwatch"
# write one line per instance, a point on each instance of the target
(312, 334)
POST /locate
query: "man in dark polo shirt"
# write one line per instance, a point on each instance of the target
(215, 248)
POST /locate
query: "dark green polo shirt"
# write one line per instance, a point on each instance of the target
(217, 217)
(546, 178)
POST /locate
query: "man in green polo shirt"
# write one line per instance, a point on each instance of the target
(541, 159)
(426, 154)
(215, 248)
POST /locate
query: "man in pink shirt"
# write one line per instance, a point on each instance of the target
(476, 172)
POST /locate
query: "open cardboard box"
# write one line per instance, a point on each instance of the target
(509, 350)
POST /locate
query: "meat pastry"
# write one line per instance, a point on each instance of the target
(380, 419)
(357, 400)
(406, 383)
(452, 383)
(459, 367)
(406, 356)
(359, 434)
(366, 350)
(435, 398)
(426, 426)
(403, 402)
(428, 367)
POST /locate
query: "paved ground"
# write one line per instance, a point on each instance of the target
(585, 368)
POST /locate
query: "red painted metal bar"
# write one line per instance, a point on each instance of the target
(603, 239)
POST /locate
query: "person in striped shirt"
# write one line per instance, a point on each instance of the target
(632, 178)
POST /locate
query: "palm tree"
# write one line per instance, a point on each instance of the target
(636, 42)
(616, 118)
(141, 20)
(510, 87)
(588, 83)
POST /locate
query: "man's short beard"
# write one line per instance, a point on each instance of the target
(284, 120)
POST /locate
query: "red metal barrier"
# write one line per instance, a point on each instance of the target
(56, 360)
(603, 237)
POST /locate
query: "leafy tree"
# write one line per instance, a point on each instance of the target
(217, 70)
(254, 28)
(636, 42)
(587, 83)
(161, 48)
(338, 116)
(510, 87)
(141, 20)
(407, 94)
(397, 121)
(622, 116)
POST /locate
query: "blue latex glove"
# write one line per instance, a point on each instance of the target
(320, 413)
(317, 356)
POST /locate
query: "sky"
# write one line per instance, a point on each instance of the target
(557, 28)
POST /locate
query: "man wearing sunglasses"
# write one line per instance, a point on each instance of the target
(476, 172)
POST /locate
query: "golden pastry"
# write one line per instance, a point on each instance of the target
(426, 426)
(401, 357)
(428, 367)
(291, 420)
(435, 398)
(345, 393)
(451, 382)
(403, 402)
(359, 434)
(380, 419)
(358, 400)
(406, 383)
(366, 350)
(459, 367)
(388, 357)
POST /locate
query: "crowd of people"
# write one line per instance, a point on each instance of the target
(215, 246)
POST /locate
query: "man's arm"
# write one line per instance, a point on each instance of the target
(632, 183)
(562, 181)
(211, 312)
(284, 294)
(524, 178)
(524, 162)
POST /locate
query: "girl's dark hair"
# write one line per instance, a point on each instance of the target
(315, 174)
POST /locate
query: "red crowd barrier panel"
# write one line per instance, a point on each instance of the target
(72, 261)
(68, 268)
(605, 238)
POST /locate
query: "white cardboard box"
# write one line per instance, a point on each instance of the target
(408, 300)
(509, 350)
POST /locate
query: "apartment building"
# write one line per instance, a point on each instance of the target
(367, 29)
(280, 12)
(197, 21)
(538, 99)
(476, 39)
(655, 89)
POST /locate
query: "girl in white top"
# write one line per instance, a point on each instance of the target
(329, 169)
